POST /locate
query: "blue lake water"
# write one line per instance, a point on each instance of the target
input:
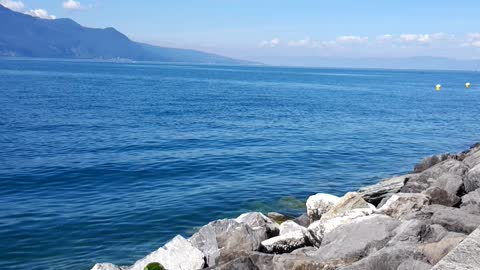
(104, 162)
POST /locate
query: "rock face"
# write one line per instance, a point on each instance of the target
(472, 179)
(453, 219)
(176, 254)
(319, 204)
(225, 235)
(376, 193)
(464, 256)
(471, 202)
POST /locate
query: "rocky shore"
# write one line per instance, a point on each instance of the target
(424, 220)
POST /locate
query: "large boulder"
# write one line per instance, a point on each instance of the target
(429, 162)
(374, 194)
(286, 243)
(453, 219)
(319, 204)
(471, 202)
(472, 157)
(414, 265)
(472, 179)
(410, 232)
(404, 203)
(349, 202)
(464, 256)
(233, 260)
(434, 252)
(355, 240)
(260, 223)
(225, 234)
(303, 220)
(176, 254)
(451, 183)
(290, 227)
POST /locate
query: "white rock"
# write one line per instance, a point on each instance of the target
(319, 204)
(178, 254)
(285, 243)
(321, 227)
(105, 266)
(290, 226)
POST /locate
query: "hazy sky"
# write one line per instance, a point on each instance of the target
(253, 28)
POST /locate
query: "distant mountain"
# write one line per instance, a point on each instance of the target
(423, 62)
(22, 35)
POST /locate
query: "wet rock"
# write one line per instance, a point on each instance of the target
(351, 201)
(286, 243)
(319, 204)
(452, 219)
(471, 202)
(464, 256)
(225, 234)
(355, 240)
(434, 252)
(472, 179)
(429, 162)
(260, 223)
(441, 196)
(176, 254)
(404, 203)
(277, 217)
(374, 194)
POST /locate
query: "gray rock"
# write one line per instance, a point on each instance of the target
(290, 226)
(402, 204)
(286, 243)
(319, 204)
(429, 162)
(434, 233)
(441, 196)
(176, 254)
(464, 256)
(421, 182)
(471, 202)
(472, 158)
(453, 219)
(434, 252)
(346, 204)
(357, 239)
(389, 258)
(410, 231)
(414, 265)
(303, 262)
(449, 182)
(226, 235)
(303, 220)
(243, 261)
(374, 194)
(260, 223)
(472, 179)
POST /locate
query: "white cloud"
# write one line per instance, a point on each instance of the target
(72, 5)
(270, 43)
(13, 5)
(472, 40)
(352, 39)
(306, 42)
(386, 37)
(40, 13)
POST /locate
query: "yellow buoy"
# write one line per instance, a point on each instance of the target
(438, 87)
(467, 85)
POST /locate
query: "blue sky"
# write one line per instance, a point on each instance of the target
(268, 28)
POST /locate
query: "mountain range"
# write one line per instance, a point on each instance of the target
(22, 35)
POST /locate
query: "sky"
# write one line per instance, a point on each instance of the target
(256, 29)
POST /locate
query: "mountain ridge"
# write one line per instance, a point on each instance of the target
(22, 35)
